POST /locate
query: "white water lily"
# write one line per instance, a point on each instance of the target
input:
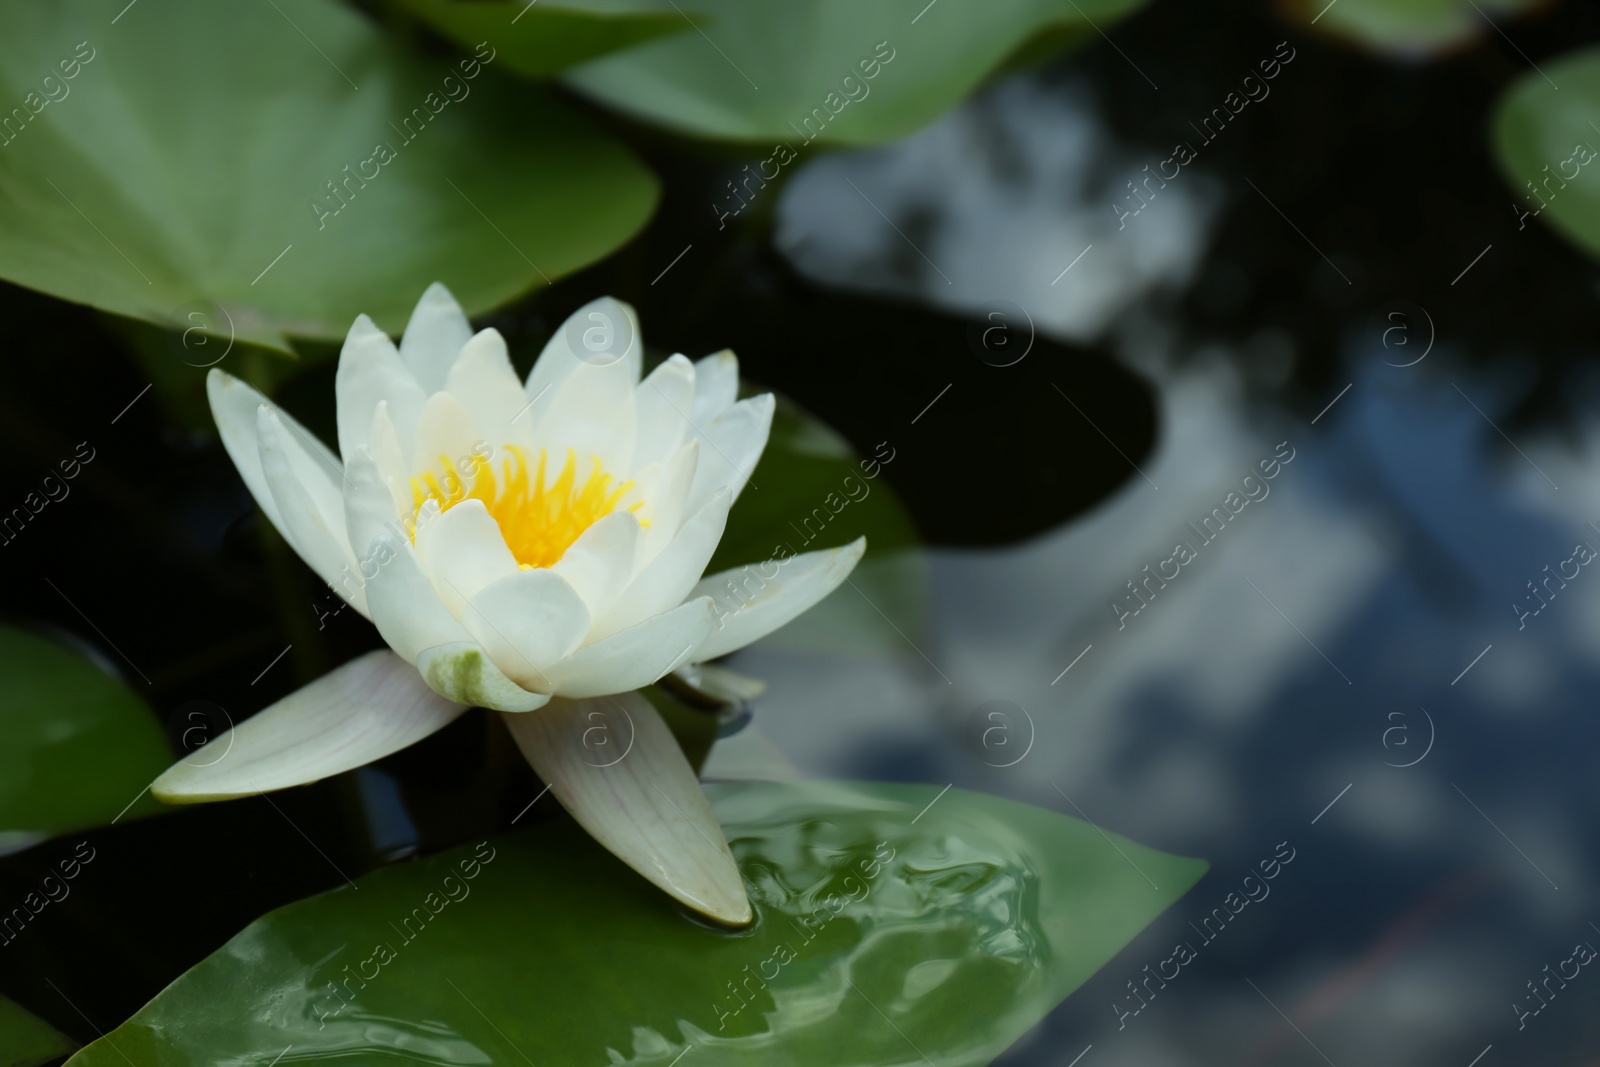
(536, 548)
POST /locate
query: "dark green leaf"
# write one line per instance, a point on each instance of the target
(1408, 27)
(1546, 141)
(968, 923)
(26, 1040)
(757, 70)
(76, 746)
(188, 151)
(543, 38)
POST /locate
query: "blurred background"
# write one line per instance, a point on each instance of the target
(1072, 365)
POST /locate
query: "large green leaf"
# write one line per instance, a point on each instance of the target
(968, 923)
(76, 746)
(26, 1040)
(861, 72)
(539, 38)
(1549, 138)
(184, 157)
(1408, 27)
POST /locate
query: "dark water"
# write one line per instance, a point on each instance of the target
(1349, 668)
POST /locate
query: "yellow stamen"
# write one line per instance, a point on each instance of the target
(539, 522)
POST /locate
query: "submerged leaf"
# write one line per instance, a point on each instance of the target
(76, 746)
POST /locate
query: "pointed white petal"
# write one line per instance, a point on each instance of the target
(637, 656)
(600, 563)
(716, 385)
(370, 370)
(750, 606)
(372, 706)
(404, 607)
(527, 622)
(463, 551)
(392, 460)
(666, 580)
(734, 441)
(646, 806)
(483, 380)
(447, 441)
(462, 671)
(311, 507)
(234, 405)
(665, 403)
(668, 502)
(604, 330)
(369, 511)
(593, 415)
(436, 332)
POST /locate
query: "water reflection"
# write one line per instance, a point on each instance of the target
(1251, 698)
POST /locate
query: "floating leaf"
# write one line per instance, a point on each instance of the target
(1547, 140)
(1408, 27)
(26, 1040)
(834, 70)
(539, 38)
(882, 937)
(181, 164)
(76, 746)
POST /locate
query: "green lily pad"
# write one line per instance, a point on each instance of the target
(1548, 138)
(1409, 27)
(26, 1040)
(76, 746)
(878, 940)
(811, 490)
(758, 70)
(540, 38)
(196, 159)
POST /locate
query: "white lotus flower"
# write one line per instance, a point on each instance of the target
(536, 548)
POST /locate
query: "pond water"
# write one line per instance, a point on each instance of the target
(1270, 547)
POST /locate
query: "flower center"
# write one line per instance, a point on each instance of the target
(538, 520)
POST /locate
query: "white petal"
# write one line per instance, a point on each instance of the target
(716, 385)
(463, 671)
(593, 415)
(369, 511)
(665, 401)
(600, 563)
(734, 441)
(637, 656)
(310, 505)
(667, 579)
(528, 622)
(372, 706)
(234, 405)
(668, 502)
(447, 441)
(393, 460)
(750, 606)
(646, 806)
(605, 324)
(463, 551)
(370, 371)
(483, 380)
(436, 332)
(404, 607)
